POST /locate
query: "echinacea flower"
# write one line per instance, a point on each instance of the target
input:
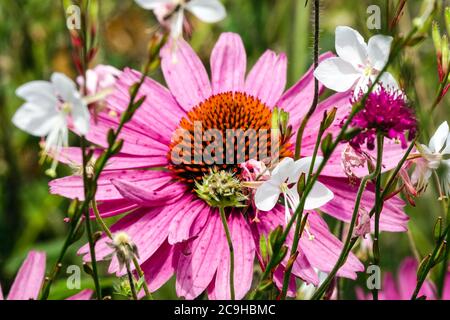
(358, 64)
(284, 181)
(385, 111)
(30, 277)
(435, 156)
(50, 109)
(170, 13)
(177, 231)
(404, 287)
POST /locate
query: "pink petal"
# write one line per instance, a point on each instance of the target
(73, 156)
(446, 291)
(228, 64)
(278, 278)
(323, 251)
(182, 226)
(113, 208)
(392, 218)
(161, 266)
(149, 197)
(82, 295)
(148, 229)
(199, 260)
(159, 113)
(138, 141)
(407, 280)
(389, 290)
(1, 293)
(185, 74)
(29, 279)
(297, 100)
(267, 79)
(72, 186)
(244, 255)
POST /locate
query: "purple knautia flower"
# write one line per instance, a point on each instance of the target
(386, 111)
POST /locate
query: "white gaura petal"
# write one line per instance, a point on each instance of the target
(447, 146)
(439, 138)
(388, 81)
(209, 11)
(176, 24)
(38, 92)
(64, 86)
(337, 75)
(350, 46)
(283, 171)
(266, 196)
(80, 116)
(379, 48)
(318, 197)
(35, 120)
(153, 4)
(303, 166)
(362, 86)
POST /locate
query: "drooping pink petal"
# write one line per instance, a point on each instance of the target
(392, 218)
(148, 229)
(82, 295)
(228, 64)
(72, 186)
(297, 100)
(322, 249)
(278, 278)
(185, 74)
(267, 79)
(29, 279)
(389, 289)
(147, 196)
(244, 255)
(407, 280)
(113, 208)
(184, 226)
(161, 266)
(268, 222)
(199, 260)
(446, 290)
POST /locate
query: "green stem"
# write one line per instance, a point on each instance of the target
(90, 237)
(131, 281)
(230, 246)
(378, 208)
(315, 102)
(351, 239)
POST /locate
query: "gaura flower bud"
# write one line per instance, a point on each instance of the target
(445, 54)
(124, 249)
(437, 38)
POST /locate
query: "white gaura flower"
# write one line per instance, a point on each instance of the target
(170, 13)
(48, 110)
(283, 181)
(358, 64)
(435, 156)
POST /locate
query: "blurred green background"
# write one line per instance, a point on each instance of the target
(34, 42)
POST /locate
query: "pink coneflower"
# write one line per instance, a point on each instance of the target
(173, 218)
(30, 278)
(404, 287)
(385, 111)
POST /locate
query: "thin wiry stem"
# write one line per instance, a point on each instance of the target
(231, 249)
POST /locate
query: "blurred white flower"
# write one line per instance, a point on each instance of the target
(48, 110)
(101, 79)
(435, 156)
(170, 13)
(283, 180)
(358, 64)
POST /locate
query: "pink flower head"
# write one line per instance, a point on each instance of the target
(403, 287)
(30, 278)
(176, 231)
(385, 111)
